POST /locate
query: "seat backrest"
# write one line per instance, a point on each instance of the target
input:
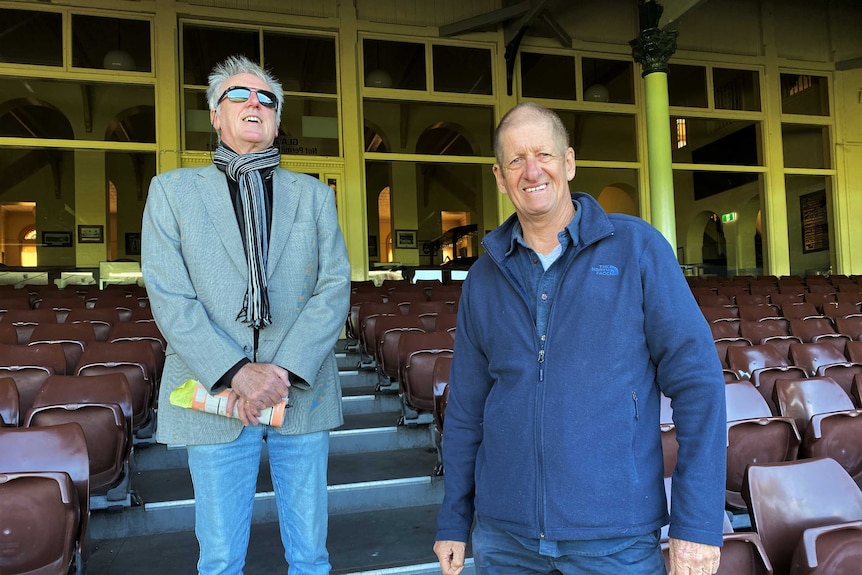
(418, 383)
(386, 346)
(8, 333)
(811, 356)
(102, 406)
(59, 448)
(821, 492)
(73, 338)
(744, 360)
(41, 519)
(134, 372)
(850, 326)
(724, 329)
(799, 309)
(853, 351)
(9, 403)
(102, 319)
(802, 398)
(758, 312)
(719, 313)
(751, 299)
(410, 342)
(25, 320)
(761, 439)
(743, 401)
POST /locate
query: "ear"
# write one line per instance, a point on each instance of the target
(498, 176)
(215, 120)
(570, 164)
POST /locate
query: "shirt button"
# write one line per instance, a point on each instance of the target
(535, 260)
(544, 296)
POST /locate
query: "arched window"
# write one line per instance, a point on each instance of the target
(29, 256)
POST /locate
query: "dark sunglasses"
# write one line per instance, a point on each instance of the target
(242, 94)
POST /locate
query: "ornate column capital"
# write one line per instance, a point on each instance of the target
(654, 46)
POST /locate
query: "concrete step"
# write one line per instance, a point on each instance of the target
(380, 542)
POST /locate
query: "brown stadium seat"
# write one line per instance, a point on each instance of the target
(72, 337)
(824, 360)
(818, 330)
(440, 376)
(8, 333)
(417, 353)
(29, 367)
(741, 553)
(669, 446)
(142, 331)
(771, 332)
(9, 404)
(446, 322)
(39, 515)
(821, 532)
(799, 310)
(753, 435)
(389, 330)
(827, 419)
(368, 312)
(26, 320)
(850, 326)
(762, 365)
(135, 361)
(103, 320)
(102, 406)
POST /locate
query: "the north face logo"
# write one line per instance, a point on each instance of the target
(605, 270)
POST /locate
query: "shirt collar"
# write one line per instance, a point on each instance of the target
(568, 235)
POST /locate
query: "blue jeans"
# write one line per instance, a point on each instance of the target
(225, 478)
(498, 552)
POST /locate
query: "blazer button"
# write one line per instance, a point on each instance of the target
(246, 348)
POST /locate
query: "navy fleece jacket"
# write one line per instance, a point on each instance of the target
(568, 447)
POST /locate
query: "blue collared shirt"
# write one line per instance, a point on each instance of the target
(539, 275)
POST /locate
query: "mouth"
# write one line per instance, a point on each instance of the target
(252, 119)
(534, 189)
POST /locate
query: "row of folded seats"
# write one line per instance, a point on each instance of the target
(79, 376)
(406, 336)
(793, 390)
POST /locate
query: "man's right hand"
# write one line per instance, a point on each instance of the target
(257, 386)
(451, 556)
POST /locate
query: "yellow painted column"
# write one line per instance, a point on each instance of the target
(90, 208)
(166, 41)
(354, 222)
(662, 209)
(652, 49)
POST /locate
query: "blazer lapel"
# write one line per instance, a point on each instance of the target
(285, 202)
(212, 186)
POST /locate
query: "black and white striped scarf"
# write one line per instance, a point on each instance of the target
(245, 169)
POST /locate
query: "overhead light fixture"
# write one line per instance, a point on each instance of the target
(378, 78)
(597, 93)
(118, 60)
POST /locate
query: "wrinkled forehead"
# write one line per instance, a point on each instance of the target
(530, 129)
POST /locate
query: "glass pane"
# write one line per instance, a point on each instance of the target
(203, 48)
(431, 128)
(110, 43)
(727, 142)
(309, 126)
(803, 94)
(310, 67)
(429, 198)
(709, 246)
(601, 136)
(548, 76)
(462, 70)
(615, 189)
(77, 110)
(48, 187)
(607, 81)
(686, 86)
(31, 37)
(809, 224)
(399, 65)
(806, 146)
(736, 89)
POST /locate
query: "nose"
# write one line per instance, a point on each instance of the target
(532, 170)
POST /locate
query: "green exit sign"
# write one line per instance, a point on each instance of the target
(727, 218)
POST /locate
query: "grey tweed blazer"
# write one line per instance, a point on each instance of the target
(195, 270)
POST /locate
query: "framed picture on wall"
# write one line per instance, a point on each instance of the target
(91, 234)
(57, 239)
(133, 243)
(405, 239)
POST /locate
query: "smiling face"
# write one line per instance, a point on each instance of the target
(245, 127)
(534, 168)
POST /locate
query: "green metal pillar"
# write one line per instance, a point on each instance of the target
(652, 49)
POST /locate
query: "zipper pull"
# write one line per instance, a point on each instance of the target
(541, 356)
(541, 367)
